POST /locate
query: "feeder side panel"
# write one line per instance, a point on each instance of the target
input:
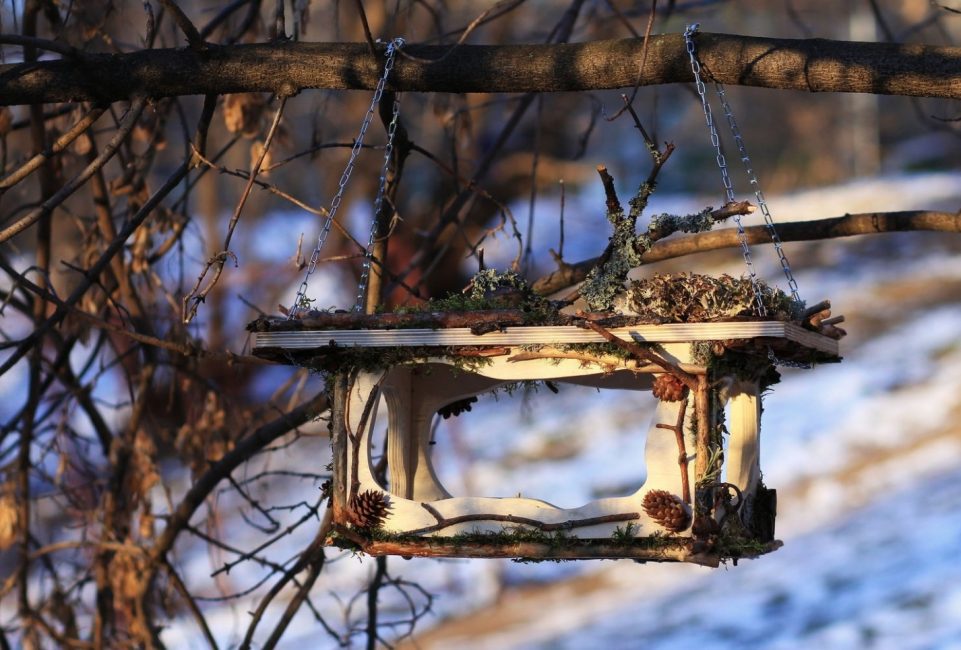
(743, 455)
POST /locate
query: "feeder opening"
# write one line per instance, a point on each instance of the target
(561, 442)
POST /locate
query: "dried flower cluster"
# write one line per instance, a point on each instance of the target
(667, 510)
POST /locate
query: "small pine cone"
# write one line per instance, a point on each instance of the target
(368, 509)
(667, 510)
(669, 388)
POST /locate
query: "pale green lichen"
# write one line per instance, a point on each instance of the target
(606, 280)
(663, 225)
(626, 249)
(492, 289)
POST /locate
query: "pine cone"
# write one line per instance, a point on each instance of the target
(667, 510)
(669, 388)
(368, 509)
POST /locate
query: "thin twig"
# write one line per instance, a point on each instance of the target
(194, 38)
(40, 44)
(188, 598)
(94, 272)
(61, 143)
(445, 522)
(192, 300)
(373, 591)
(75, 183)
(682, 460)
(642, 354)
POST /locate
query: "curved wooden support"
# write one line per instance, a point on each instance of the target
(425, 520)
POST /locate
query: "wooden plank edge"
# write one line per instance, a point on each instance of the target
(666, 333)
(812, 340)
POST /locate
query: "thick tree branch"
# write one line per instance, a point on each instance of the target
(815, 65)
(846, 226)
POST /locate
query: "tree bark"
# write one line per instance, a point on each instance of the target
(847, 226)
(815, 65)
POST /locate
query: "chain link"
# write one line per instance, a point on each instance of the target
(756, 186)
(689, 33)
(301, 301)
(722, 165)
(378, 202)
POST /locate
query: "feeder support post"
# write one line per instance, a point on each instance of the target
(338, 443)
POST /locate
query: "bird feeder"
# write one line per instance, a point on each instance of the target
(702, 501)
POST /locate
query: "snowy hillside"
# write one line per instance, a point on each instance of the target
(865, 455)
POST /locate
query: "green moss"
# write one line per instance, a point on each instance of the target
(626, 534)
(491, 289)
(510, 535)
(736, 547)
(343, 358)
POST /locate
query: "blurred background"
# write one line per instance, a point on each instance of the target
(865, 455)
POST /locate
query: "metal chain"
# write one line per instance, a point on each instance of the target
(722, 164)
(728, 188)
(756, 186)
(378, 201)
(300, 301)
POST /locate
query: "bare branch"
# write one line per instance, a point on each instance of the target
(814, 65)
(847, 226)
(62, 143)
(75, 183)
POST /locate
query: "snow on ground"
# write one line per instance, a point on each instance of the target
(882, 577)
(881, 574)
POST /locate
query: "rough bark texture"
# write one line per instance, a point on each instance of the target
(846, 226)
(815, 65)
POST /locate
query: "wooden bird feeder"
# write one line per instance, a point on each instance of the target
(702, 501)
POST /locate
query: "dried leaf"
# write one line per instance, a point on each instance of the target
(126, 570)
(140, 251)
(81, 146)
(143, 475)
(9, 517)
(256, 151)
(147, 525)
(243, 113)
(6, 120)
(206, 438)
